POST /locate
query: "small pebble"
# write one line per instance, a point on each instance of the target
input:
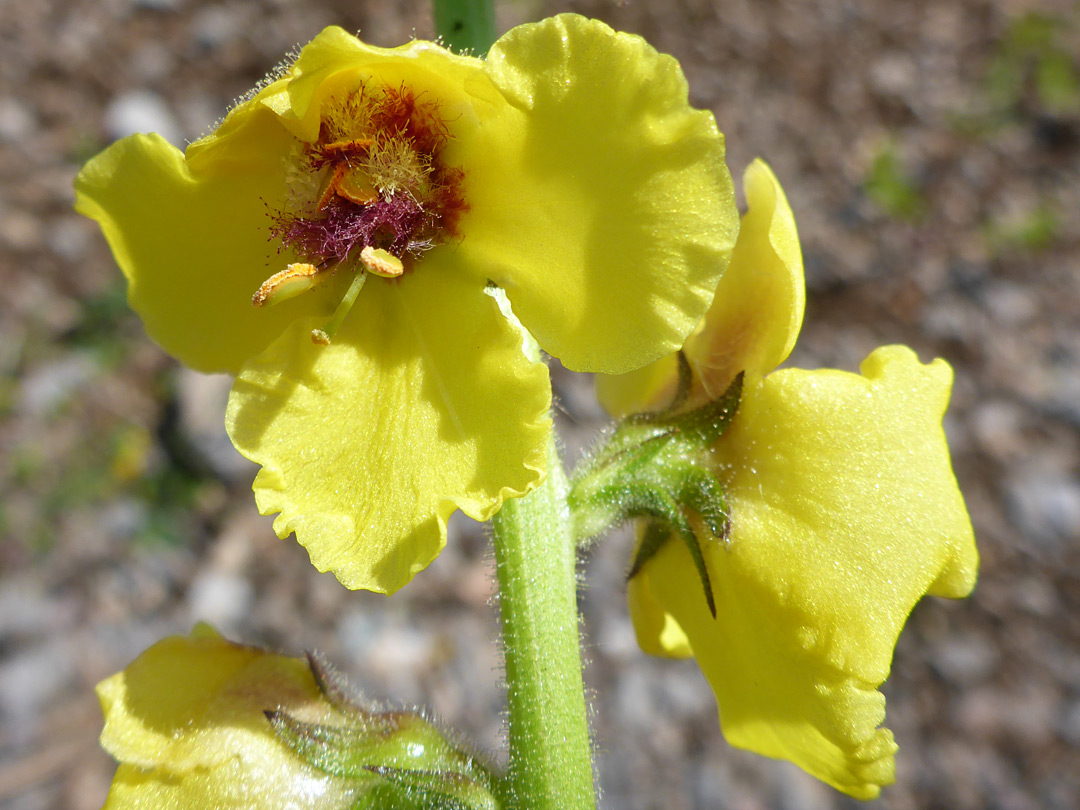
(1046, 508)
(223, 599)
(17, 121)
(141, 111)
(50, 385)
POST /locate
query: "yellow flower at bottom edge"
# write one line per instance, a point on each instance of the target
(364, 198)
(844, 512)
(186, 723)
(201, 722)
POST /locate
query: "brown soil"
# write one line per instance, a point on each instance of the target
(936, 209)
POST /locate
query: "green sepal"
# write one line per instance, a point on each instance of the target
(618, 499)
(641, 437)
(702, 492)
(435, 790)
(682, 393)
(332, 683)
(709, 422)
(652, 540)
(654, 465)
(402, 760)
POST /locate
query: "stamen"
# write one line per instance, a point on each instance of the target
(371, 188)
(355, 187)
(322, 336)
(288, 283)
(381, 262)
(330, 186)
(351, 148)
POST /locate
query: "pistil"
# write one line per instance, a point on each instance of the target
(322, 336)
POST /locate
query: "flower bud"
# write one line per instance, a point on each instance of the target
(199, 721)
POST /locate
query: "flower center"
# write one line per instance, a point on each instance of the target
(370, 195)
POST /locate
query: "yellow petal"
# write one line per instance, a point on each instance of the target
(193, 247)
(845, 512)
(424, 402)
(598, 197)
(190, 703)
(265, 784)
(758, 309)
(753, 321)
(657, 631)
(334, 61)
(642, 389)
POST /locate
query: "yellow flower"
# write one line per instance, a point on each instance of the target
(186, 723)
(199, 721)
(844, 512)
(567, 168)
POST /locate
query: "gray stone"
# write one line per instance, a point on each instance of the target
(30, 679)
(964, 660)
(221, 598)
(158, 5)
(142, 111)
(1045, 506)
(1068, 724)
(202, 399)
(17, 121)
(69, 237)
(50, 385)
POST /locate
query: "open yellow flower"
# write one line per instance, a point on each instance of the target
(844, 512)
(567, 168)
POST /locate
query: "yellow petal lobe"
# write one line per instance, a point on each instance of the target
(756, 315)
(754, 318)
(657, 631)
(845, 512)
(336, 61)
(424, 402)
(620, 217)
(193, 247)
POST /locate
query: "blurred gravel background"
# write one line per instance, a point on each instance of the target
(930, 152)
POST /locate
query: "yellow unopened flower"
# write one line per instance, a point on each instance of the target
(186, 721)
(362, 200)
(201, 722)
(844, 512)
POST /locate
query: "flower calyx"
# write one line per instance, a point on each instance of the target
(653, 466)
(417, 767)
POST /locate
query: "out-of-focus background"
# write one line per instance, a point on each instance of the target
(931, 152)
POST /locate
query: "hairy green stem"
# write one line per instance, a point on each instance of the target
(550, 753)
(466, 25)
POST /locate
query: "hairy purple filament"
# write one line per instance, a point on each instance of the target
(398, 225)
